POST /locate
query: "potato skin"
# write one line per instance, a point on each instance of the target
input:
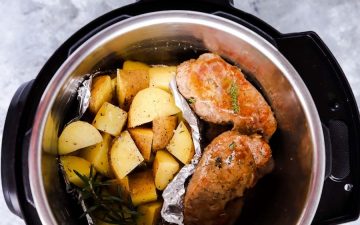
(74, 163)
(101, 91)
(143, 138)
(110, 119)
(165, 168)
(161, 76)
(123, 184)
(77, 135)
(124, 155)
(142, 187)
(149, 213)
(163, 128)
(129, 83)
(181, 145)
(97, 155)
(135, 65)
(149, 104)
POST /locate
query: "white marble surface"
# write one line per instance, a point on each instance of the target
(33, 29)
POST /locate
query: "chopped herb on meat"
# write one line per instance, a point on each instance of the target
(233, 91)
(232, 145)
(191, 100)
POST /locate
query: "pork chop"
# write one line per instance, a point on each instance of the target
(219, 93)
(229, 165)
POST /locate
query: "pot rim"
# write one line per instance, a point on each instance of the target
(179, 16)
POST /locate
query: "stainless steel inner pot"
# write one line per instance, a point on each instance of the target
(289, 195)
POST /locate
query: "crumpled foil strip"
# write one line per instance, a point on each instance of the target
(173, 195)
(83, 95)
(84, 92)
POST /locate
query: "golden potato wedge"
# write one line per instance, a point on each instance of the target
(142, 187)
(74, 163)
(113, 83)
(180, 117)
(163, 128)
(123, 184)
(165, 168)
(149, 213)
(143, 138)
(77, 135)
(124, 155)
(181, 145)
(129, 83)
(149, 104)
(101, 91)
(97, 155)
(133, 65)
(110, 119)
(160, 77)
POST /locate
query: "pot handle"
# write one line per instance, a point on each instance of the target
(339, 114)
(10, 162)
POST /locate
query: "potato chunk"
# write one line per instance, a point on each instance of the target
(160, 77)
(181, 145)
(134, 65)
(77, 135)
(74, 163)
(149, 104)
(124, 155)
(143, 138)
(163, 128)
(113, 83)
(123, 184)
(180, 117)
(165, 168)
(142, 188)
(97, 155)
(129, 83)
(110, 119)
(101, 91)
(149, 213)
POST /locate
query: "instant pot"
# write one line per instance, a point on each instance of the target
(316, 148)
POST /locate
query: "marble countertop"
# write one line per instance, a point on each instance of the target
(33, 29)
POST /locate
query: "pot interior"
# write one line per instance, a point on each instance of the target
(282, 197)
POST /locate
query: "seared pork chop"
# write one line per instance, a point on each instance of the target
(229, 165)
(219, 93)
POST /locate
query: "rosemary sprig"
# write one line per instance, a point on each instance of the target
(233, 91)
(113, 209)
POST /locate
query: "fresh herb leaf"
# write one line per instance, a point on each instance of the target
(114, 209)
(232, 145)
(233, 91)
(191, 100)
(90, 210)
